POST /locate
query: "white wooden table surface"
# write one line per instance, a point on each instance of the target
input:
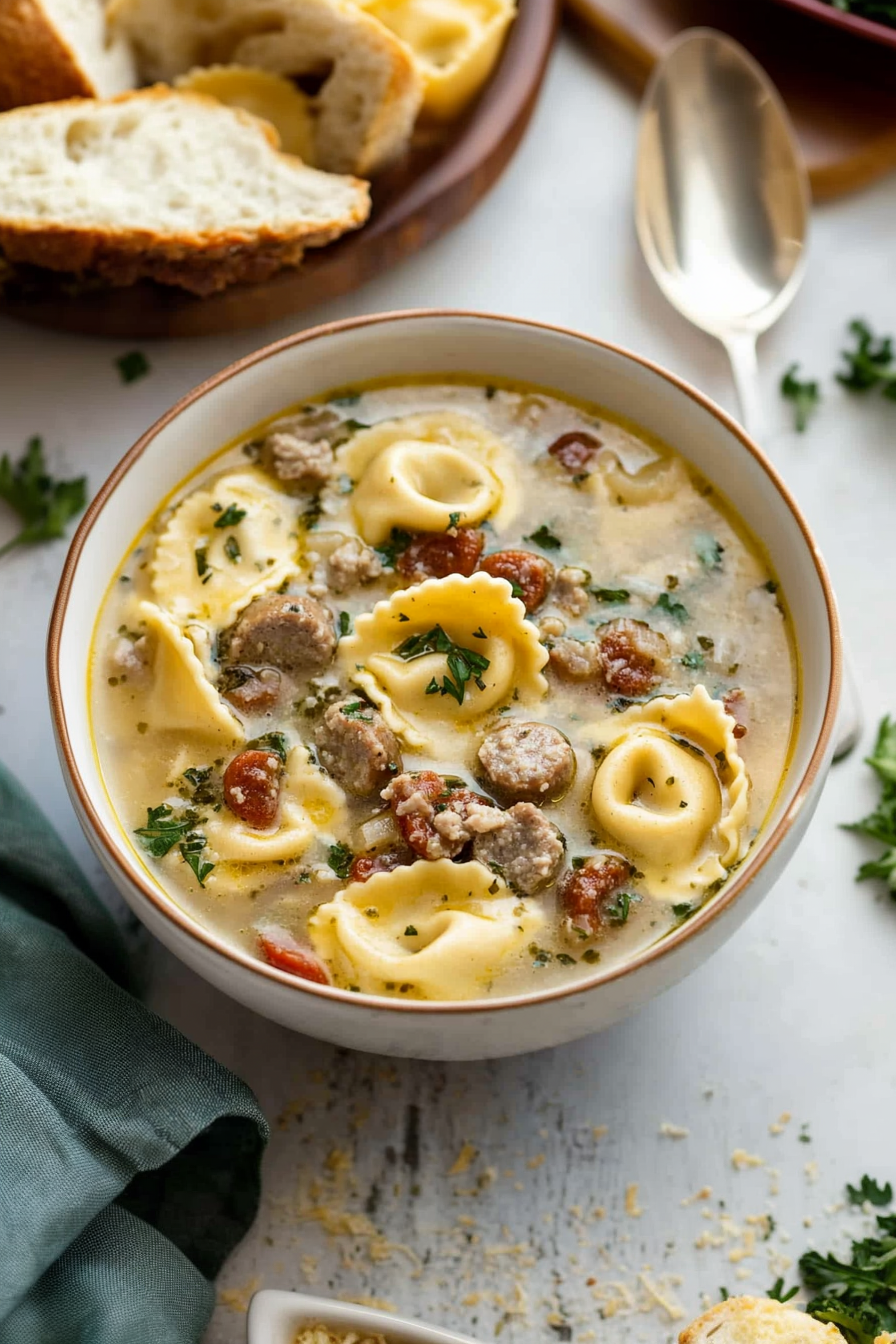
(795, 1015)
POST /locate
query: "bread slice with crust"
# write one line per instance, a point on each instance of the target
(51, 49)
(758, 1320)
(367, 86)
(164, 185)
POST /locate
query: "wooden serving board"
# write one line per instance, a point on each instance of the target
(446, 172)
(840, 89)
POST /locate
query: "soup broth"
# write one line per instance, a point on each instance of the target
(444, 690)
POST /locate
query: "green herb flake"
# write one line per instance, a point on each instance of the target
(611, 595)
(804, 395)
(164, 829)
(870, 364)
(410, 932)
(347, 398)
(667, 606)
(340, 858)
(778, 1294)
(706, 644)
(682, 910)
(880, 824)
(709, 551)
(191, 853)
(358, 709)
(132, 366)
(398, 542)
(619, 909)
(43, 505)
(203, 568)
(544, 538)
(453, 520)
(591, 955)
(345, 624)
(464, 665)
(869, 1192)
(232, 550)
(693, 659)
(275, 742)
(230, 516)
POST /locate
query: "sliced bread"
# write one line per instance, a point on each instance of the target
(758, 1320)
(367, 89)
(52, 49)
(164, 185)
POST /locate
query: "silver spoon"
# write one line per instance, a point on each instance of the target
(722, 209)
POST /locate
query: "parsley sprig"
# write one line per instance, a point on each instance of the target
(464, 665)
(856, 1295)
(803, 393)
(164, 829)
(881, 823)
(870, 364)
(43, 505)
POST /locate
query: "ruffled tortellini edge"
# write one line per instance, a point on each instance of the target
(416, 472)
(180, 697)
(479, 614)
(238, 562)
(696, 731)
(440, 929)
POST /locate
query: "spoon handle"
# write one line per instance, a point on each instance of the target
(741, 348)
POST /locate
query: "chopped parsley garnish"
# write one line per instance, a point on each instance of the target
(591, 955)
(390, 550)
(203, 568)
(43, 505)
(340, 858)
(311, 514)
(480, 634)
(870, 364)
(202, 786)
(464, 665)
(709, 551)
(611, 594)
(345, 623)
(358, 709)
(191, 853)
(545, 538)
(706, 643)
(804, 395)
(669, 607)
(230, 516)
(232, 550)
(619, 909)
(881, 823)
(275, 742)
(353, 426)
(164, 829)
(868, 1191)
(410, 932)
(693, 659)
(683, 909)
(490, 392)
(515, 589)
(778, 1294)
(453, 520)
(132, 366)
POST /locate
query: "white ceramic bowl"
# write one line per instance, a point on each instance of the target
(275, 1317)
(400, 344)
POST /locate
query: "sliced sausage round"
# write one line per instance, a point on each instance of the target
(252, 788)
(357, 747)
(366, 866)
(527, 762)
(292, 633)
(285, 952)
(575, 451)
(250, 691)
(633, 657)
(435, 555)
(527, 850)
(529, 575)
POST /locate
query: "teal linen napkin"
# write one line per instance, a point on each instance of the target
(129, 1160)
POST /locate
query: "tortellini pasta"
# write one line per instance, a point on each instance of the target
(310, 802)
(671, 791)
(436, 657)
(640, 482)
(434, 930)
(181, 699)
(455, 44)
(223, 545)
(427, 473)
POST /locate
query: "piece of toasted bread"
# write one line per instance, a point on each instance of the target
(52, 49)
(758, 1320)
(164, 185)
(369, 88)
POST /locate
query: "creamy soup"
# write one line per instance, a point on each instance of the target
(442, 690)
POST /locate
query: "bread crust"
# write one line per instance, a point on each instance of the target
(36, 65)
(763, 1316)
(201, 263)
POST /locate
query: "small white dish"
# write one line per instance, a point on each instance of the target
(401, 345)
(275, 1317)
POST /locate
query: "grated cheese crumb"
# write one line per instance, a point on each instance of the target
(632, 1207)
(741, 1159)
(670, 1131)
(464, 1159)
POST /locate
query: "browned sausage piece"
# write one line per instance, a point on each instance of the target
(735, 703)
(529, 575)
(357, 747)
(252, 788)
(299, 452)
(435, 555)
(280, 630)
(250, 692)
(366, 866)
(527, 850)
(575, 451)
(586, 892)
(575, 659)
(634, 657)
(527, 762)
(436, 818)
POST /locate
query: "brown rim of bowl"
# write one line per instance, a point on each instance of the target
(704, 917)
